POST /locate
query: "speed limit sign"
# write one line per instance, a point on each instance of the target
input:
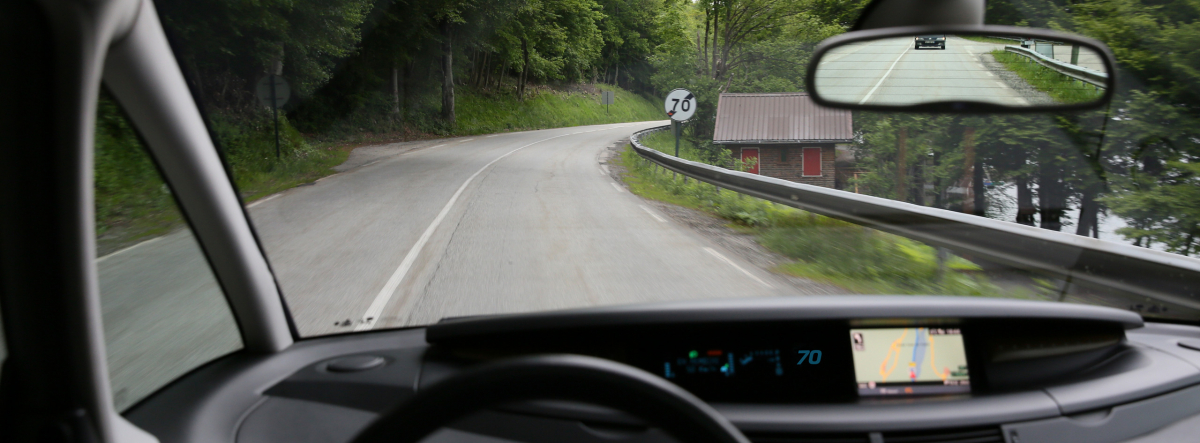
(680, 105)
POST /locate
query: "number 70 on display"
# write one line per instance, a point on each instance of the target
(813, 357)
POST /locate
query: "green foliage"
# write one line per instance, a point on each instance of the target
(484, 114)
(130, 196)
(228, 40)
(132, 201)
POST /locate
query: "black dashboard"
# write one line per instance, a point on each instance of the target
(837, 369)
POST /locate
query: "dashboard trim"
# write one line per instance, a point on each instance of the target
(841, 307)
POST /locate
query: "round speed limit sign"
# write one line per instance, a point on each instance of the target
(680, 105)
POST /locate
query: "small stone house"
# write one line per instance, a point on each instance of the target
(792, 138)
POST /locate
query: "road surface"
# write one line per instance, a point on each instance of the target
(489, 224)
(891, 71)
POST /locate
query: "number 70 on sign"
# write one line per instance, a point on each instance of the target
(680, 105)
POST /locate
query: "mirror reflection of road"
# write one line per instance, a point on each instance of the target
(892, 71)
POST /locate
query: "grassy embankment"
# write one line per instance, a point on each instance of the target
(132, 202)
(823, 249)
(983, 39)
(1059, 87)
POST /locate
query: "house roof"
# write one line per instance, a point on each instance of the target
(779, 118)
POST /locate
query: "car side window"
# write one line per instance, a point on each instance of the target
(164, 312)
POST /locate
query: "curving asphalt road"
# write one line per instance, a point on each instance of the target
(892, 71)
(476, 225)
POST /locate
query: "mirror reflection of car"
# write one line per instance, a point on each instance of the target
(937, 41)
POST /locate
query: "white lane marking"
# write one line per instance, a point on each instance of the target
(731, 263)
(601, 171)
(617, 187)
(989, 73)
(101, 259)
(652, 214)
(385, 294)
(493, 135)
(1002, 85)
(467, 140)
(435, 147)
(881, 79)
(267, 199)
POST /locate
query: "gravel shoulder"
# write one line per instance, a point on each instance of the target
(366, 155)
(717, 230)
(1015, 82)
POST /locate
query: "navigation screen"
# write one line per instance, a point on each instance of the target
(909, 361)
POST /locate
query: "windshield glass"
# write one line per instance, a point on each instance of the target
(405, 162)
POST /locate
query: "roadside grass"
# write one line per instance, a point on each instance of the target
(1060, 87)
(132, 202)
(984, 39)
(480, 113)
(823, 249)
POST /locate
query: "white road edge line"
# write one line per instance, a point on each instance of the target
(652, 214)
(617, 187)
(266, 199)
(881, 79)
(385, 295)
(731, 263)
(130, 248)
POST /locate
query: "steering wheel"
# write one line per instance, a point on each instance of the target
(554, 377)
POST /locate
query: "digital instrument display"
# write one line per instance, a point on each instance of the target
(774, 363)
(909, 361)
(722, 363)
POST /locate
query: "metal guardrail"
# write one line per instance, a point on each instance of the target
(1072, 258)
(1080, 73)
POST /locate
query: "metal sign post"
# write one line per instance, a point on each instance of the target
(273, 92)
(607, 98)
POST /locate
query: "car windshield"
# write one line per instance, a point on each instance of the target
(403, 162)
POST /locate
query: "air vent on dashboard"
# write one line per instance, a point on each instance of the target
(960, 435)
(807, 437)
(967, 435)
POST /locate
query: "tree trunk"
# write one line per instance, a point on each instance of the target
(503, 74)
(1191, 238)
(1089, 213)
(1052, 198)
(901, 164)
(524, 69)
(395, 89)
(716, 31)
(1025, 208)
(447, 72)
(707, 24)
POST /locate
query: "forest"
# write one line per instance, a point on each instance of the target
(400, 69)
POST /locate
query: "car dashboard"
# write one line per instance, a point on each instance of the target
(815, 369)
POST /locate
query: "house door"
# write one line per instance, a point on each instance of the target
(747, 155)
(812, 162)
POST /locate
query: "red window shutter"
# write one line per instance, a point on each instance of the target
(812, 162)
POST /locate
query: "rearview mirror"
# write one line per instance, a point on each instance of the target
(961, 69)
